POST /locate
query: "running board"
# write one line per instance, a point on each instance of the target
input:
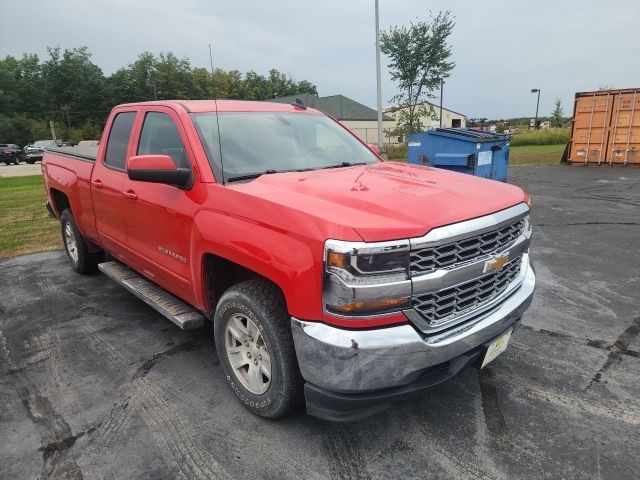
(180, 313)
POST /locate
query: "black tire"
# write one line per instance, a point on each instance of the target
(83, 261)
(31, 162)
(262, 302)
(16, 161)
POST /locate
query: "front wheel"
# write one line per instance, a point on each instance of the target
(82, 260)
(255, 347)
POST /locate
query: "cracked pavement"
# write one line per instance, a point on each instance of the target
(95, 384)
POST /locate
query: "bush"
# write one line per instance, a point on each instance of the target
(396, 152)
(542, 137)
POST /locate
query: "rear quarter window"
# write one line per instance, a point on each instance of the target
(116, 153)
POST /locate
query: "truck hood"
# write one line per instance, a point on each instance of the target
(385, 201)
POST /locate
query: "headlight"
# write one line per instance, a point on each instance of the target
(366, 279)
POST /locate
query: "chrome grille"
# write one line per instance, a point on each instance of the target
(443, 305)
(427, 259)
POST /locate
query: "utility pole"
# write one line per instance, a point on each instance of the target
(379, 79)
(151, 82)
(65, 110)
(53, 131)
(213, 85)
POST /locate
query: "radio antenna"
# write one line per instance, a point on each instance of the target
(212, 77)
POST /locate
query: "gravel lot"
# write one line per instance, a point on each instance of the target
(95, 384)
(22, 170)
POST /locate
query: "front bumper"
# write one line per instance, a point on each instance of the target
(353, 364)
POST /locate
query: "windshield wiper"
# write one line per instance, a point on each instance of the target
(343, 164)
(251, 176)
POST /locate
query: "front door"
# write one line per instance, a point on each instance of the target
(158, 217)
(107, 180)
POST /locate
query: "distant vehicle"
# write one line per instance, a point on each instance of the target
(67, 143)
(88, 143)
(10, 153)
(35, 151)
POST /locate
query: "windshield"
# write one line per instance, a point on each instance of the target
(44, 143)
(253, 143)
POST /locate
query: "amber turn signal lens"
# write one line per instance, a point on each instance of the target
(338, 260)
(371, 306)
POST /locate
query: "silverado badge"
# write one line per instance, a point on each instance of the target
(496, 263)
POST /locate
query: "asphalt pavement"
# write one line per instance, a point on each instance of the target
(21, 170)
(95, 384)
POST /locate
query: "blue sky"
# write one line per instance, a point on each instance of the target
(502, 48)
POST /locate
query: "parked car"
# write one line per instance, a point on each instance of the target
(35, 151)
(10, 153)
(330, 275)
(67, 143)
(88, 143)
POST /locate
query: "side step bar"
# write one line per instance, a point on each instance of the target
(180, 313)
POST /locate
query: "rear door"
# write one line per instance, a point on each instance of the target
(107, 180)
(158, 217)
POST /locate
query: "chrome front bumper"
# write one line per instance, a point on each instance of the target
(355, 361)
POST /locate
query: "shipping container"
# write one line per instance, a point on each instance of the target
(606, 128)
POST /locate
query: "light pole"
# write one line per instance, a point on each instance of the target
(536, 90)
(441, 90)
(379, 80)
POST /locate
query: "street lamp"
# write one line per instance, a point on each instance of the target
(536, 90)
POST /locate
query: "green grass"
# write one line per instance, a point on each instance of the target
(526, 155)
(519, 156)
(24, 224)
(542, 137)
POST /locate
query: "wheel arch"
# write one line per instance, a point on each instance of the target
(60, 201)
(219, 274)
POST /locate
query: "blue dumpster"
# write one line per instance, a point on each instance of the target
(465, 150)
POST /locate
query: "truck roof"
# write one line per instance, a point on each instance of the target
(199, 106)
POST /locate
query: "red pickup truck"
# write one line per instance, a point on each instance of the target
(331, 276)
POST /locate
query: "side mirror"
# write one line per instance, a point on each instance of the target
(374, 148)
(158, 169)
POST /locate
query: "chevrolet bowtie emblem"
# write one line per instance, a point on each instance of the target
(496, 263)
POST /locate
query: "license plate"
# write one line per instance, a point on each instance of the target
(498, 346)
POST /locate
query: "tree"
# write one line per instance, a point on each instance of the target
(33, 92)
(71, 79)
(557, 116)
(419, 57)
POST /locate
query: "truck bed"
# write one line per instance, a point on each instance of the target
(86, 153)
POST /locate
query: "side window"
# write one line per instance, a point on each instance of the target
(160, 137)
(116, 154)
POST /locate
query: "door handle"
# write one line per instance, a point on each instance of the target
(130, 194)
(96, 183)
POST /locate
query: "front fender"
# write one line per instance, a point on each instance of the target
(291, 261)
